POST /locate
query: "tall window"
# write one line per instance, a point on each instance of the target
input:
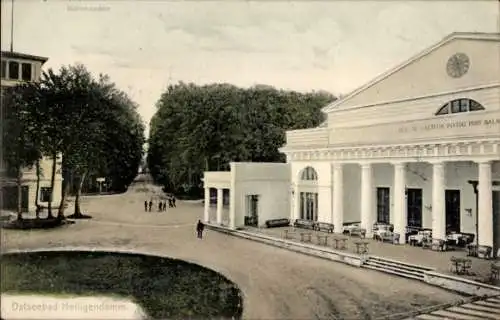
(460, 105)
(26, 71)
(4, 69)
(45, 194)
(13, 70)
(309, 206)
(309, 174)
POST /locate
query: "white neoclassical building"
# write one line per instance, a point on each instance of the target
(417, 146)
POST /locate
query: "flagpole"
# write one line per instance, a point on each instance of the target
(12, 26)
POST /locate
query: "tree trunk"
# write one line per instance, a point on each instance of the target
(37, 196)
(62, 204)
(19, 194)
(78, 212)
(52, 182)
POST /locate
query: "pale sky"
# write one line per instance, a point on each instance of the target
(301, 45)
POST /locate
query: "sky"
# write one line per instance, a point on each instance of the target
(145, 45)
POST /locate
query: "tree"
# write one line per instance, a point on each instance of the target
(200, 128)
(20, 143)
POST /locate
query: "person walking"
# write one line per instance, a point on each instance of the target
(173, 201)
(199, 229)
(145, 205)
(164, 205)
(150, 204)
(160, 206)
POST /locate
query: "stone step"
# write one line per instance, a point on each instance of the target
(493, 300)
(473, 313)
(453, 315)
(488, 304)
(429, 317)
(395, 268)
(399, 263)
(399, 273)
(480, 307)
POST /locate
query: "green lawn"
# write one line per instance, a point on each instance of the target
(164, 288)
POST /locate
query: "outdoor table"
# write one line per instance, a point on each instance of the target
(472, 250)
(322, 239)
(361, 246)
(460, 265)
(342, 241)
(305, 236)
(287, 234)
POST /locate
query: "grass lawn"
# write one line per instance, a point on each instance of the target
(164, 288)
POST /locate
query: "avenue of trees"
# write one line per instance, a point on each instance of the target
(93, 125)
(201, 128)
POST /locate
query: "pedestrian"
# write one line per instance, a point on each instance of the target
(165, 205)
(160, 204)
(150, 204)
(173, 201)
(170, 205)
(199, 229)
(146, 205)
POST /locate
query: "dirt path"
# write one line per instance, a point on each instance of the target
(276, 283)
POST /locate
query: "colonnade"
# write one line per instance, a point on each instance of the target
(368, 214)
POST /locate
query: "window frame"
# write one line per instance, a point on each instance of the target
(461, 105)
(24, 64)
(10, 70)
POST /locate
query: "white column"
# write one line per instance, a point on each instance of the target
(220, 194)
(485, 214)
(438, 203)
(206, 212)
(338, 197)
(399, 211)
(367, 216)
(296, 202)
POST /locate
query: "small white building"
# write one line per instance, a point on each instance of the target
(17, 68)
(417, 146)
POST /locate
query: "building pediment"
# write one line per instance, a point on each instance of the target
(458, 62)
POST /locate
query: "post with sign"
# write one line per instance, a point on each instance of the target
(100, 180)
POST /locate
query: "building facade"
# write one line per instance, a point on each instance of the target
(417, 146)
(17, 68)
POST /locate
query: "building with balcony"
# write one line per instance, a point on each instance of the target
(419, 146)
(17, 68)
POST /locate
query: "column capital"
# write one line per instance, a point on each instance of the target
(483, 161)
(365, 165)
(338, 165)
(399, 164)
(437, 162)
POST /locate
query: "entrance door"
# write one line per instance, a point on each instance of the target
(383, 205)
(414, 208)
(452, 199)
(252, 212)
(496, 222)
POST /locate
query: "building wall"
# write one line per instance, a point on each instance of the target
(29, 176)
(428, 75)
(418, 176)
(271, 181)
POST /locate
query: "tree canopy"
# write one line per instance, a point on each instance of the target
(202, 128)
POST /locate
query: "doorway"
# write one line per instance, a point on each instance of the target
(252, 210)
(383, 205)
(452, 202)
(309, 206)
(414, 208)
(496, 222)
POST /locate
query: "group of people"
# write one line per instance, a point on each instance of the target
(162, 204)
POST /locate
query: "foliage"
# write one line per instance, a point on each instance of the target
(200, 128)
(164, 288)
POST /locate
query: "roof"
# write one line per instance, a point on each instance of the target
(445, 40)
(12, 54)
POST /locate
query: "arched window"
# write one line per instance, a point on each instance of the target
(309, 174)
(460, 105)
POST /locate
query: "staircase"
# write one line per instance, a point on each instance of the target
(398, 268)
(488, 308)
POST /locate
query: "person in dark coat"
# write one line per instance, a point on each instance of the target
(173, 201)
(150, 205)
(199, 229)
(146, 205)
(160, 206)
(165, 205)
(170, 205)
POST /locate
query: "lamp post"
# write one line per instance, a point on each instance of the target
(474, 186)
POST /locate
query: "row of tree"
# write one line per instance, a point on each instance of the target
(201, 128)
(87, 120)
